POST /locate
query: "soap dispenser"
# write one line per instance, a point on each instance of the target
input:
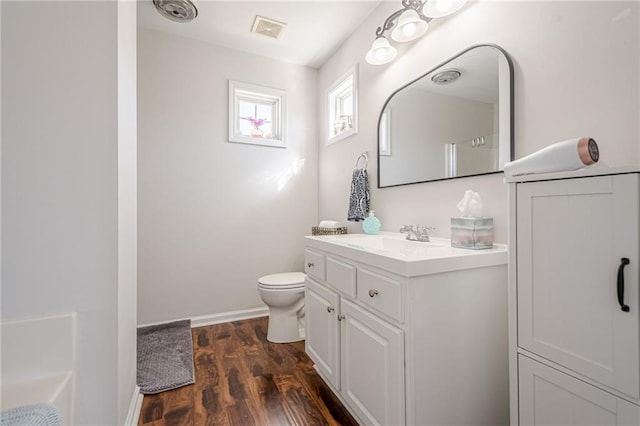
(371, 224)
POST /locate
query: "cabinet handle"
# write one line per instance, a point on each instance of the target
(373, 293)
(623, 262)
(330, 309)
(310, 265)
(340, 317)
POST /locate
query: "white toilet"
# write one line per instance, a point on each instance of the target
(284, 295)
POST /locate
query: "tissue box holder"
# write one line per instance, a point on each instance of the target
(472, 233)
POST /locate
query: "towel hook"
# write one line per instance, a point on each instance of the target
(366, 160)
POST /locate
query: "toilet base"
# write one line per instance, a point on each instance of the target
(284, 326)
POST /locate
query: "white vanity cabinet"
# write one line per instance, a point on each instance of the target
(574, 311)
(359, 354)
(415, 334)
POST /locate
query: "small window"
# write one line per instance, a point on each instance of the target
(342, 100)
(256, 114)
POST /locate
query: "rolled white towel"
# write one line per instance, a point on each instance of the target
(332, 224)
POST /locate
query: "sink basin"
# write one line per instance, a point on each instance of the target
(401, 247)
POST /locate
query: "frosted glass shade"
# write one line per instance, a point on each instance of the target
(440, 8)
(409, 27)
(381, 52)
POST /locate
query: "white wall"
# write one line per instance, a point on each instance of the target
(576, 74)
(211, 217)
(61, 250)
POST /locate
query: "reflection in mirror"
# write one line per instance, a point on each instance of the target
(455, 121)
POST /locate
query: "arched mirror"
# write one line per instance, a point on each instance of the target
(455, 121)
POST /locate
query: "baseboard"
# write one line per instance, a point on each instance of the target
(203, 320)
(229, 317)
(134, 408)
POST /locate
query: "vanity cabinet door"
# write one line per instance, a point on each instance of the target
(322, 341)
(572, 237)
(372, 377)
(549, 397)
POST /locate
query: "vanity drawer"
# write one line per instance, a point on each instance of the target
(341, 276)
(381, 293)
(314, 264)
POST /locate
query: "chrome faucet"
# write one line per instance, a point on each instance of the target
(419, 233)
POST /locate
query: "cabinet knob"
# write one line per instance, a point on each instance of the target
(310, 265)
(373, 293)
(340, 317)
(330, 309)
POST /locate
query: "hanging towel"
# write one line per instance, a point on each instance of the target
(359, 199)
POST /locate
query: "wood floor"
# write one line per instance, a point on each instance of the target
(241, 379)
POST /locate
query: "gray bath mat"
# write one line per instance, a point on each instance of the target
(165, 357)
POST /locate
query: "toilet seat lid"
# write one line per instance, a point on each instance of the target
(283, 280)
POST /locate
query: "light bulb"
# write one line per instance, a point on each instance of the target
(440, 8)
(443, 5)
(381, 52)
(409, 27)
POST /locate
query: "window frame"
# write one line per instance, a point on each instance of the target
(334, 108)
(259, 94)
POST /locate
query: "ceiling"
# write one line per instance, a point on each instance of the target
(315, 28)
(479, 79)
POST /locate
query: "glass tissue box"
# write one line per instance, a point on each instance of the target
(472, 233)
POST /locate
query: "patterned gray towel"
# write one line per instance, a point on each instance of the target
(359, 199)
(32, 415)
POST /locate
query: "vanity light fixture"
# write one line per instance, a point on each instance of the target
(408, 23)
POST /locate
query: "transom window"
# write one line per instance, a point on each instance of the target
(256, 114)
(342, 107)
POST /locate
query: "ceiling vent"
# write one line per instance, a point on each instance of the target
(267, 27)
(177, 10)
(446, 76)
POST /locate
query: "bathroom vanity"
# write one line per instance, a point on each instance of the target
(409, 332)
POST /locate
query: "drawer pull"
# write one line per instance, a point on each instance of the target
(624, 261)
(340, 317)
(330, 309)
(373, 293)
(310, 265)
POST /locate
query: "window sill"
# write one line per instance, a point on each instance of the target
(258, 141)
(341, 136)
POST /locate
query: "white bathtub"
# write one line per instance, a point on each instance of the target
(38, 363)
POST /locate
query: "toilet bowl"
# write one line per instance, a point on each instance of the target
(284, 296)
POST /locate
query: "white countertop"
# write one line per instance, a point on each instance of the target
(392, 252)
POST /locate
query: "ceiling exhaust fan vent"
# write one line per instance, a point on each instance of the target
(267, 27)
(177, 10)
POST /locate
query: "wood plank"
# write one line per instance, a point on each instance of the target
(178, 406)
(270, 400)
(208, 406)
(299, 406)
(152, 409)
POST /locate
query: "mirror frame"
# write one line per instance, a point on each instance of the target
(511, 114)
